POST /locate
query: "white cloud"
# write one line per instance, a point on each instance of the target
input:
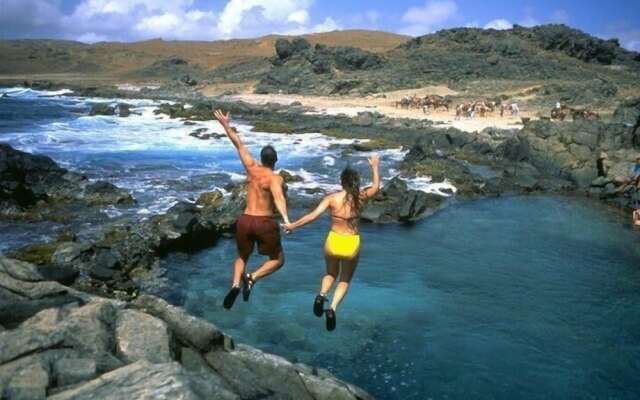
(627, 35)
(132, 20)
(499, 24)
(300, 17)
(272, 11)
(434, 14)
(125, 20)
(90, 8)
(158, 24)
(328, 25)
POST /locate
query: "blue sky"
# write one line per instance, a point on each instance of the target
(131, 20)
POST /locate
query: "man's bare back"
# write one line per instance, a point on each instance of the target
(260, 180)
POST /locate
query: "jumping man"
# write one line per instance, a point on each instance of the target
(257, 224)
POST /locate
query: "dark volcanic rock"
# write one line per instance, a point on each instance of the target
(118, 256)
(102, 109)
(288, 177)
(396, 202)
(124, 110)
(28, 180)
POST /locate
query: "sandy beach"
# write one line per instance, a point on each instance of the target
(384, 103)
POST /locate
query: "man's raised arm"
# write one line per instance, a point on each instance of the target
(225, 121)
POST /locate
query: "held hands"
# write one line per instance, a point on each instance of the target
(288, 228)
(225, 120)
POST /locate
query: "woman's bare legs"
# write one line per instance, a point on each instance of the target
(346, 274)
(333, 267)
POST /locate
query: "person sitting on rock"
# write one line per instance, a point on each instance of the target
(342, 247)
(257, 224)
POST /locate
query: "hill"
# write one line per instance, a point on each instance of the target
(135, 59)
(454, 57)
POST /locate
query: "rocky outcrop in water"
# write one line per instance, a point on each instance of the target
(34, 187)
(397, 203)
(119, 257)
(81, 346)
(102, 109)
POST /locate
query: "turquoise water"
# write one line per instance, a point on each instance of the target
(529, 297)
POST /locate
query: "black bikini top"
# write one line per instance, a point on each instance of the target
(345, 219)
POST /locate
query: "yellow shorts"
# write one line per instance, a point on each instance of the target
(342, 246)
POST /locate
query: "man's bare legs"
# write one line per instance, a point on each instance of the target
(238, 269)
(346, 274)
(239, 266)
(269, 267)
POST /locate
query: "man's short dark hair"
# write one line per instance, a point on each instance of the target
(268, 156)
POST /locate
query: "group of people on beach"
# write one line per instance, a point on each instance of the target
(257, 226)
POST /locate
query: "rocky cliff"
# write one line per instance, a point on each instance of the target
(61, 343)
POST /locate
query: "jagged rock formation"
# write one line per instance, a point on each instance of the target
(543, 156)
(397, 203)
(34, 187)
(82, 346)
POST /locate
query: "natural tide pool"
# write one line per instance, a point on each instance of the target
(525, 297)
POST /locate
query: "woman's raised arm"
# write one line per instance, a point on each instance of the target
(371, 191)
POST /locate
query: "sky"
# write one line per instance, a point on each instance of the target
(133, 20)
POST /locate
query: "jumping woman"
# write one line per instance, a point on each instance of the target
(342, 246)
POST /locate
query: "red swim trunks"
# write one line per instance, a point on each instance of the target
(263, 230)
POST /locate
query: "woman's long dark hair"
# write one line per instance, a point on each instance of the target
(350, 180)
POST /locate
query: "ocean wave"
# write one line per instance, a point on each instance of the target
(155, 158)
(21, 92)
(426, 184)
